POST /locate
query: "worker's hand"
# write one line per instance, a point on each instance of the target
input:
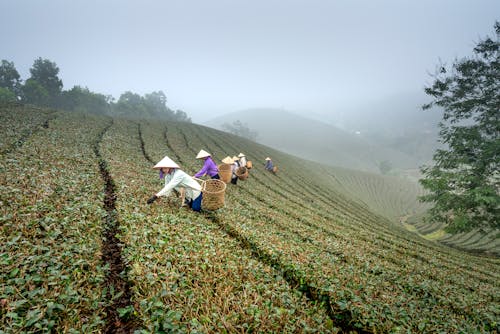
(152, 199)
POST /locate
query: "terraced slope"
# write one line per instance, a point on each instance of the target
(397, 200)
(289, 253)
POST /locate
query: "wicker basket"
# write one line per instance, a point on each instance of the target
(242, 173)
(213, 194)
(225, 172)
(275, 169)
(249, 164)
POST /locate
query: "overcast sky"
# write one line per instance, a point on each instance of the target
(214, 57)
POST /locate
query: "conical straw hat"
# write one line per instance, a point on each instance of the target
(166, 163)
(241, 155)
(235, 158)
(202, 154)
(267, 159)
(228, 160)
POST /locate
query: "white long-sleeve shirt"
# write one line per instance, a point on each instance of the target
(234, 167)
(178, 179)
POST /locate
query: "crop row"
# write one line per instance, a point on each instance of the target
(267, 238)
(188, 275)
(350, 218)
(51, 204)
(19, 122)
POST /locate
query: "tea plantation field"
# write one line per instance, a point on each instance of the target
(302, 251)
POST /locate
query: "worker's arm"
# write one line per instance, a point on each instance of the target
(174, 182)
(203, 170)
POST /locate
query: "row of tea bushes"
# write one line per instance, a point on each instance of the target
(370, 277)
(19, 122)
(366, 283)
(51, 204)
(188, 275)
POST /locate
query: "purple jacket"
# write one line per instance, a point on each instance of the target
(209, 167)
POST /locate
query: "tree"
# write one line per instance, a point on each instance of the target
(385, 167)
(240, 129)
(130, 104)
(150, 106)
(181, 116)
(34, 93)
(10, 78)
(45, 73)
(464, 182)
(82, 99)
(6, 95)
(156, 105)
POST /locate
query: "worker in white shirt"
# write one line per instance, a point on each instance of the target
(175, 178)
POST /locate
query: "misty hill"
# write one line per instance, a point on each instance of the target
(299, 251)
(394, 115)
(315, 140)
(397, 122)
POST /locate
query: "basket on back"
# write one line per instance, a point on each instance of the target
(242, 173)
(213, 194)
(249, 165)
(225, 172)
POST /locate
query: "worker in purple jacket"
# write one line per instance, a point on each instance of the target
(209, 167)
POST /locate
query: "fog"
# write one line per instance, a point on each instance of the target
(311, 57)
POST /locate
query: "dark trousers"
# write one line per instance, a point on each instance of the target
(216, 176)
(195, 204)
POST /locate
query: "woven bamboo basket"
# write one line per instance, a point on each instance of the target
(249, 164)
(213, 194)
(225, 172)
(242, 173)
(275, 169)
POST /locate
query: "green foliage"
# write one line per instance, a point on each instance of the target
(464, 182)
(35, 93)
(44, 88)
(51, 229)
(45, 72)
(82, 99)
(238, 128)
(148, 106)
(182, 116)
(7, 95)
(10, 78)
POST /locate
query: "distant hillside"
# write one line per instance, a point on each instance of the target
(315, 140)
(397, 122)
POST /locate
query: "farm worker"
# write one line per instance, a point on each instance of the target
(234, 166)
(269, 164)
(243, 160)
(209, 167)
(176, 179)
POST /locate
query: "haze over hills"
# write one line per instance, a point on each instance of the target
(397, 122)
(394, 130)
(394, 115)
(315, 140)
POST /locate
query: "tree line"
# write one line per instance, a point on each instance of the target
(44, 88)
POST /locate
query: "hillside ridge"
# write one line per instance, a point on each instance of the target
(316, 140)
